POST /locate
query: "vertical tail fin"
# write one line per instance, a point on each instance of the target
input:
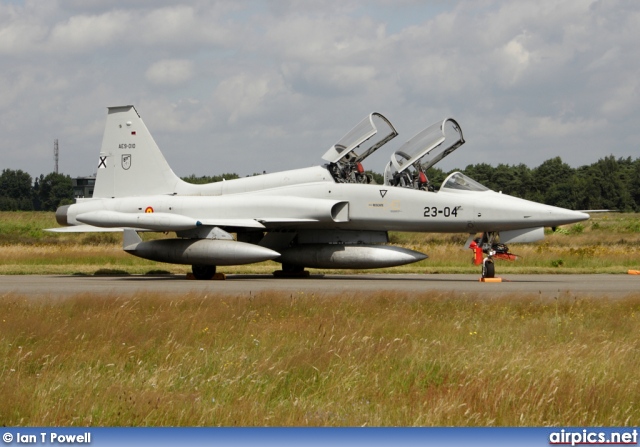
(130, 162)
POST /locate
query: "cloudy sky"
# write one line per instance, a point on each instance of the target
(247, 86)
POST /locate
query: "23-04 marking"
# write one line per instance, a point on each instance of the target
(433, 211)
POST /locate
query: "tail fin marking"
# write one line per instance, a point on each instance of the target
(130, 162)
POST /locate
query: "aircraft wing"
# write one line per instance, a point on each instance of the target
(238, 223)
(115, 225)
(284, 220)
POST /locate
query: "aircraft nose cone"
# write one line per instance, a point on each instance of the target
(583, 216)
(563, 216)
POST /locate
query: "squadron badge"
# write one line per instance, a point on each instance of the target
(126, 161)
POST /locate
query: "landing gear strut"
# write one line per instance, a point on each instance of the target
(486, 245)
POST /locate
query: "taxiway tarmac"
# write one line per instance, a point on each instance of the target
(549, 286)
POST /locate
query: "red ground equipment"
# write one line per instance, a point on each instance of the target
(496, 250)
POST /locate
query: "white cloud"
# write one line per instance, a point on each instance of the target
(515, 59)
(170, 72)
(90, 32)
(244, 94)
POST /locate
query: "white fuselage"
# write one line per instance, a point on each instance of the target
(287, 199)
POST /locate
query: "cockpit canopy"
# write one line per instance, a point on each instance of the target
(408, 165)
(368, 136)
(457, 181)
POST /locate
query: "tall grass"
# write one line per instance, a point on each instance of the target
(319, 360)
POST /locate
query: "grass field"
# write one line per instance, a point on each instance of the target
(319, 360)
(607, 243)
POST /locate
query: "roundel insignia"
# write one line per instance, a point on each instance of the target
(148, 210)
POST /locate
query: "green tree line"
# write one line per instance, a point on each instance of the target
(19, 192)
(609, 183)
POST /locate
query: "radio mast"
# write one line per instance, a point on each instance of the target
(55, 155)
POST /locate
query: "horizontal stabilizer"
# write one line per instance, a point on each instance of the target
(83, 229)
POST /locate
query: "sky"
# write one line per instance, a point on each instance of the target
(253, 86)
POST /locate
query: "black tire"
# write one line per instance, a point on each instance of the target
(292, 268)
(203, 271)
(488, 269)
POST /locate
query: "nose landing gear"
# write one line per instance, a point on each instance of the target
(486, 245)
(488, 268)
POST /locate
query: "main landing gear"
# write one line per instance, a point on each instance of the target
(203, 271)
(291, 271)
(485, 250)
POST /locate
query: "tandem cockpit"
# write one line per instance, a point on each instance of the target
(408, 165)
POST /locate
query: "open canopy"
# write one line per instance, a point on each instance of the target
(429, 146)
(368, 136)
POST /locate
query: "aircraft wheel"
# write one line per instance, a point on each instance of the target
(203, 271)
(488, 269)
(292, 268)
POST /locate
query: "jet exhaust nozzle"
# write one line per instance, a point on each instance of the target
(61, 215)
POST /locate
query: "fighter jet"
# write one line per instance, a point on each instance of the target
(328, 216)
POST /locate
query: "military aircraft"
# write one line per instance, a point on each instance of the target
(329, 216)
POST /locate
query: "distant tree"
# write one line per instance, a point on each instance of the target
(210, 179)
(505, 179)
(378, 179)
(634, 183)
(553, 183)
(54, 190)
(436, 176)
(523, 186)
(35, 193)
(483, 173)
(609, 182)
(15, 191)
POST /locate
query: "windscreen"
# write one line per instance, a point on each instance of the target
(460, 182)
